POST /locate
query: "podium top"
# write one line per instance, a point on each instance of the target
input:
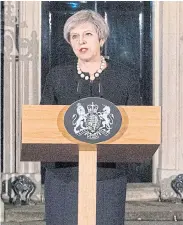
(44, 137)
(44, 125)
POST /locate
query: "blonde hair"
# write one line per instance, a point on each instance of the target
(84, 16)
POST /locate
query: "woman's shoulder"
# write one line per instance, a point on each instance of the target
(120, 66)
(64, 69)
(61, 73)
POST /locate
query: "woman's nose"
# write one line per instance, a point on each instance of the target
(82, 40)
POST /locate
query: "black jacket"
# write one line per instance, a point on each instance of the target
(117, 83)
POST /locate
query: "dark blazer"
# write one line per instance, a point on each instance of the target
(64, 86)
(117, 83)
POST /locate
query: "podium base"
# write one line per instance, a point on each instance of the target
(61, 196)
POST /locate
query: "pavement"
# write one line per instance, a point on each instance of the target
(137, 213)
(126, 223)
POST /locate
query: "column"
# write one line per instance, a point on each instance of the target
(171, 71)
(22, 85)
(1, 117)
(9, 98)
(28, 80)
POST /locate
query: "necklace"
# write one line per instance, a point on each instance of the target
(96, 74)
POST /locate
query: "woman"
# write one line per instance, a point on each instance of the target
(86, 33)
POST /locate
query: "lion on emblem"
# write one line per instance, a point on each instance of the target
(107, 117)
(81, 119)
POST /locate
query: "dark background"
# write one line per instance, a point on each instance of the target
(130, 43)
(130, 40)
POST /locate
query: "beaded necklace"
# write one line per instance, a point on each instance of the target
(96, 74)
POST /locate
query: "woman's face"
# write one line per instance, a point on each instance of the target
(85, 42)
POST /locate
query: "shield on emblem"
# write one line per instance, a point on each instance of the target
(92, 120)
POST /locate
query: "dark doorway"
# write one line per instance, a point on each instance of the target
(129, 42)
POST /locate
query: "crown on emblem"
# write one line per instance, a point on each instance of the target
(92, 108)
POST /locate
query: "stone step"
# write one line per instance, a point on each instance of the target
(142, 192)
(138, 192)
(135, 211)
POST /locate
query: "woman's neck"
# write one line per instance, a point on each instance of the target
(90, 66)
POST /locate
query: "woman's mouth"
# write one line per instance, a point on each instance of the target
(83, 50)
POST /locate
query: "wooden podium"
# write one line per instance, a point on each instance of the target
(44, 138)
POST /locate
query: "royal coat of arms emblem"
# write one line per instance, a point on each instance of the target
(92, 123)
(92, 119)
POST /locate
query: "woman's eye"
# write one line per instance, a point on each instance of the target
(74, 37)
(88, 34)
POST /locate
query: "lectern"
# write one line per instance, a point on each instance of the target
(44, 138)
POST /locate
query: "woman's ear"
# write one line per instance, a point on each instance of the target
(102, 43)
